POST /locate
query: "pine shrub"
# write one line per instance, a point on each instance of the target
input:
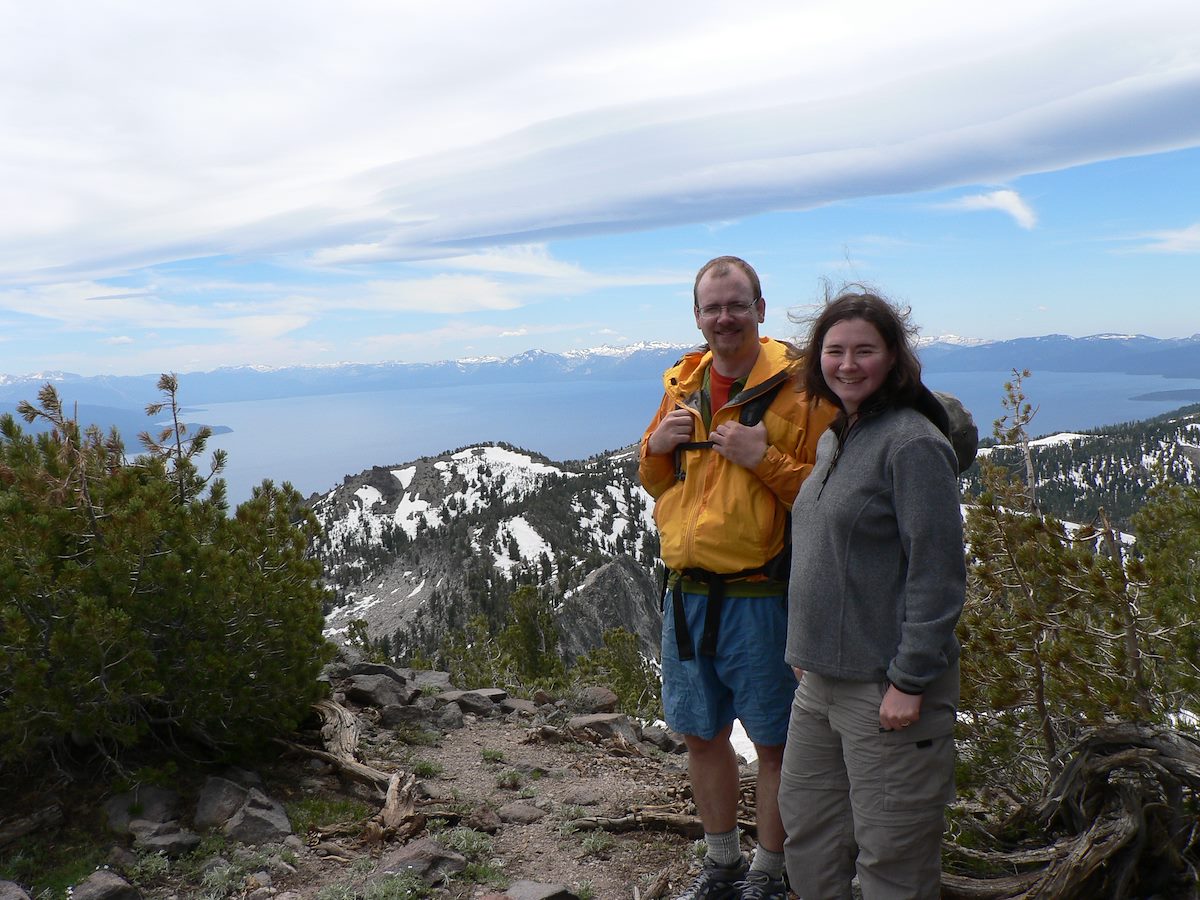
(132, 605)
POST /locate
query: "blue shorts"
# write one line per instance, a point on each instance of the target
(747, 679)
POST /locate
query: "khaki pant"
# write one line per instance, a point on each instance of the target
(855, 798)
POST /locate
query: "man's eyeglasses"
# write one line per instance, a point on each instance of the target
(734, 309)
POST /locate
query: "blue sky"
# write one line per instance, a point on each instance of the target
(200, 185)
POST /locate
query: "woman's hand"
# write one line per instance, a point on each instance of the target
(898, 709)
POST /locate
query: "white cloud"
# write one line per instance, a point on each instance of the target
(520, 259)
(1180, 240)
(448, 294)
(1005, 201)
(118, 341)
(160, 133)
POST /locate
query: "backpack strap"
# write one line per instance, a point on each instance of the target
(754, 403)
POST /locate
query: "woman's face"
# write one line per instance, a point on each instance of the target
(855, 361)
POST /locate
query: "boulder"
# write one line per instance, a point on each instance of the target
(496, 695)
(219, 799)
(104, 885)
(477, 702)
(426, 857)
(10, 890)
(163, 837)
(379, 690)
(605, 726)
(521, 707)
(370, 668)
(146, 801)
(583, 796)
(597, 699)
(664, 739)
(533, 890)
(520, 813)
(428, 679)
(260, 821)
(450, 717)
(483, 818)
(396, 716)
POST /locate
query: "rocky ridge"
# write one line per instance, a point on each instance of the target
(415, 550)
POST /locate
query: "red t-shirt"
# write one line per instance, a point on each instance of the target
(718, 388)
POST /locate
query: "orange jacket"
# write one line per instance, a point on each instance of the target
(723, 517)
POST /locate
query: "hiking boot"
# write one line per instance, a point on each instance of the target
(761, 886)
(716, 882)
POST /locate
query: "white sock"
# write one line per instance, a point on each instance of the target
(768, 861)
(725, 848)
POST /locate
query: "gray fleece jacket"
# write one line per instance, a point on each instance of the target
(878, 575)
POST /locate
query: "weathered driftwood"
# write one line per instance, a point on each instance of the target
(653, 819)
(339, 729)
(656, 889)
(688, 826)
(399, 804)
(350, 767)
(340, 734)
(47, 817)
(1123, 807)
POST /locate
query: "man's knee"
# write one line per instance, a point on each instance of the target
(718, 743)
(770, 757)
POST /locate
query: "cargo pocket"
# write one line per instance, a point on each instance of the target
(918, 767)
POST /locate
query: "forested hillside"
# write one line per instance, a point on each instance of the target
(1075, 475)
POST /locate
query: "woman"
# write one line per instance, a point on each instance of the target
(877, 585)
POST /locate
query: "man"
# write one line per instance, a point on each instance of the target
(723, 492)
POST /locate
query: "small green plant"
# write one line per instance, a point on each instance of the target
(424, 768)
(416, 736)
(492, 756)
(472, 844)
(510, 779)
(488, 873)
(222, 881)
(318, 812)
(585, 891)
(568, 828)
(149, 868)
(597, 843)
(527, 793)
(362, 865)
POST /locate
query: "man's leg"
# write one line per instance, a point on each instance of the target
(695, 703)
(713, 769)
(766, 797)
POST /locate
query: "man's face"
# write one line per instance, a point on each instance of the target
(730, 334)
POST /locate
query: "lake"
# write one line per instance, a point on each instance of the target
(315, 441)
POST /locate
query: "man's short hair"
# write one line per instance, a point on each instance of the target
(722, 266)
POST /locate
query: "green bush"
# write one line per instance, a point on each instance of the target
(620, 666)
(132, 604)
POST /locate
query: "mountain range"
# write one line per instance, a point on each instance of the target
(416, 550)
(1131, 354)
